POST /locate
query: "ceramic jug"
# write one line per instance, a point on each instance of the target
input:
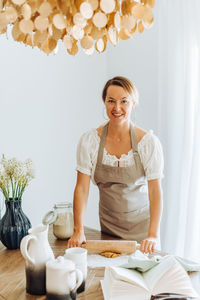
(36, 250)
(62, 279)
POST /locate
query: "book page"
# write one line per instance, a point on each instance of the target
(104, 290)
(130, 276)
(175, 280)
(152, 276)
(124, 291)
(108, 284)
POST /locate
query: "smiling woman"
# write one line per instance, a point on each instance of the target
(126, 163)
(118, 109)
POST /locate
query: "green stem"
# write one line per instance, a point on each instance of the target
(17, 191)
(5, 193)
(14, 191)
(8, 189)
(22, 190)
(12, 187)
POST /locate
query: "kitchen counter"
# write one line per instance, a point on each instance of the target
(12, 271)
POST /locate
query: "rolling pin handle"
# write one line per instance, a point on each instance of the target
(98, 246)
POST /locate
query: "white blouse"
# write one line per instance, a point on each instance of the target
(149, 149)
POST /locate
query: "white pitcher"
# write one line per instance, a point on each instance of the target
(62, 279)
(36, 250)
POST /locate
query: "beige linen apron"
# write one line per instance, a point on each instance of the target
(124, 203)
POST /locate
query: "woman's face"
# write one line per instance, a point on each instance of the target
(119, 104)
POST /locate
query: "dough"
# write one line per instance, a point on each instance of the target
(110, 254)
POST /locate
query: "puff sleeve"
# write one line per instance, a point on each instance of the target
(151, 154)
(83, 155)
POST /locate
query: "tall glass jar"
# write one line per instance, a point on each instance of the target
(62, 219)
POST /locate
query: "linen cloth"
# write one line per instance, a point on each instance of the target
(141, 262)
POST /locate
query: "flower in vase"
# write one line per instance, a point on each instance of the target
(15, 175)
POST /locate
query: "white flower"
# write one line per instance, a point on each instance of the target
(4, 181)
(3, 177)
(29, 169)
(15, 176)
(19, 171)
(3, 161)
(9, 166)
(2, 173)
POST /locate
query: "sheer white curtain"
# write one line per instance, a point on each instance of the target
(179, 123)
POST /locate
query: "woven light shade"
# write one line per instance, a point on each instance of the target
(86, 24)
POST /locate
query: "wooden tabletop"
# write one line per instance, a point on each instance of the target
(12, 271)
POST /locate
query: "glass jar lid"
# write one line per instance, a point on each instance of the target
(63, 205)
(52, 215)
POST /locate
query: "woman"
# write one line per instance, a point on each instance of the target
(126, 164)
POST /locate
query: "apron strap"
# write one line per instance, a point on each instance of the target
(103, 138)
(133, 139)
(101, 145)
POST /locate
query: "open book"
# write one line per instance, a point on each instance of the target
(127, 284)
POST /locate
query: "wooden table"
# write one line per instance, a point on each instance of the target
(12, 271)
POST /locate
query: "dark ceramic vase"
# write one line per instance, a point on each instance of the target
(14, 224)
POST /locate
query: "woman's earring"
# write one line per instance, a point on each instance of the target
(104, 114)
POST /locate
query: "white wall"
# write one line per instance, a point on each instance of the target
(47, 102)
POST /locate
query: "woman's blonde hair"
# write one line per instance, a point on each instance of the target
(123, 82)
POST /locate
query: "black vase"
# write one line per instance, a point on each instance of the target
(14, 224)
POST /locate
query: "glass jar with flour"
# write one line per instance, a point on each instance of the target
(62, 219)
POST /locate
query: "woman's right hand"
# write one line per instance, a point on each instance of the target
(77, 239)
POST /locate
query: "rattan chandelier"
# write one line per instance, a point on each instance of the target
(88, 24)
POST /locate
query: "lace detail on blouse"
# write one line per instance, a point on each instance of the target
(124, 161)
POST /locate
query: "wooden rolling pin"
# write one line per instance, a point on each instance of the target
(118, 246)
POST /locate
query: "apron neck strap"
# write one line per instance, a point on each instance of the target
(102, 143)
(133, 138)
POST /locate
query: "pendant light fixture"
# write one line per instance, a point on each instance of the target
(86, 24)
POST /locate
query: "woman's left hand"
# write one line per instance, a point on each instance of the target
(148, 245)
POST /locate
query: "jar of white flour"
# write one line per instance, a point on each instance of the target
(62, 219)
